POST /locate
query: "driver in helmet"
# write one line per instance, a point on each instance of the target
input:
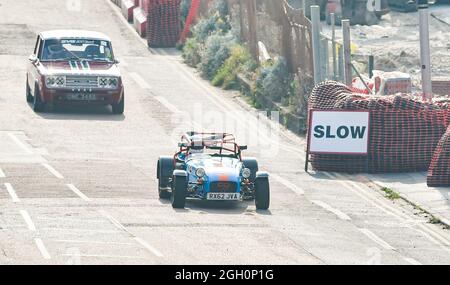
(56, 51)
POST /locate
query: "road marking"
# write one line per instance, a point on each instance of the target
(376, 239)
(105, 256)
(12, 193)
(2, 174)
(19, 143)
(139, 80)
(93, 242)
(412, 261)
(148, 247)
(337, 212)
(137, 239)
(28, 220)
(288, 184)
(168, 105)
(42, 248)
(78, 192)
(52, 171)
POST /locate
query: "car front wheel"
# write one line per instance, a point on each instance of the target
(28, 93)
(38, 105)
(119, 108)
(262, 193)
(179, 190)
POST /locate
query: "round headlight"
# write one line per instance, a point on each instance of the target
(200, 172)
(50, 80)
(246, 173)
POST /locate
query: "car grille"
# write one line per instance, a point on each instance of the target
(223, 187)
(82, 81)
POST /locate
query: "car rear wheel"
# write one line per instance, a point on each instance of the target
(28, 93)
(38, 105)
(179, 190)
(262, 193)
(119, 108)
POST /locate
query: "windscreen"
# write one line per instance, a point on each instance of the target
(77, 49)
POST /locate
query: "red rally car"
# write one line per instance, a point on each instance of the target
(74, 67)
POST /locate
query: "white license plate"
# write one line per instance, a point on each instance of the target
(82, 97)
(224, 196)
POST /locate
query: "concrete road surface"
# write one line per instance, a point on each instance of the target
(78, 185)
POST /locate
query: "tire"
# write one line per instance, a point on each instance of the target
(119, 108)
(179, 189)
(38, 105)
(28, 93)
(163, 184)
(262, 193)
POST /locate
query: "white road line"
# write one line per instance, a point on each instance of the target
(28, 220)
(12, 193)
(168, 105)
(2, 174)
(78, 192)
(139, 80)
(19, 143)
(148, 247)
(105, 256)
(412, 261)
(288, 184)
(337, 212)
(137, 239)
(93, 242)
(376, 239)
(52, 171)
(42, 248)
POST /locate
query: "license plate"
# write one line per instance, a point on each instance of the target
(82, 97)
(224, 196)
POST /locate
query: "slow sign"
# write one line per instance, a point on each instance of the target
(339, 132)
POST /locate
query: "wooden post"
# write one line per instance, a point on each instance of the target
(252, 32)
(347, 53)
(242, 21)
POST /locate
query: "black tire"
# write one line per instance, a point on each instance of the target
(163, 184)
(119, 108)
(262, 193)
(38, 105)
(28, 93)
(179, 189)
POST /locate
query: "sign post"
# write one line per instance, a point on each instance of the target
(338, 132)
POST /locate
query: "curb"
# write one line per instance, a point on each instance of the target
(444, 221)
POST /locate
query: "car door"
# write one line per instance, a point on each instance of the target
(33, 71)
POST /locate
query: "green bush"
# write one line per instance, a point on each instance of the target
(216, 51)
(191, 52)
(239, 60)
(274, 81)
(185, 6)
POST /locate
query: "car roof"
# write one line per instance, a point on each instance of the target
(77, 34)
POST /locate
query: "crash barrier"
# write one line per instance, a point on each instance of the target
(403, 131)
(140, 15)
(164, 23)
(439, 172)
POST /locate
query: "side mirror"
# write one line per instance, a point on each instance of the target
(116, 61)
(243, 147)
(33, 59)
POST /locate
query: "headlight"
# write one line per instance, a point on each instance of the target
(200, 172)
(108, 82)
(246, 173)
(55, 81)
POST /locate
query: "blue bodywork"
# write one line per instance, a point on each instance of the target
(222, 175)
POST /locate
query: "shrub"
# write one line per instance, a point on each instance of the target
(239, 61)
(191, 52)
(185, 6)
(216, 51)
(274, 81)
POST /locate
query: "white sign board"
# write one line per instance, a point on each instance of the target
(339, 132)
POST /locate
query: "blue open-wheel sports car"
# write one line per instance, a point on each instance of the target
(209, 166)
